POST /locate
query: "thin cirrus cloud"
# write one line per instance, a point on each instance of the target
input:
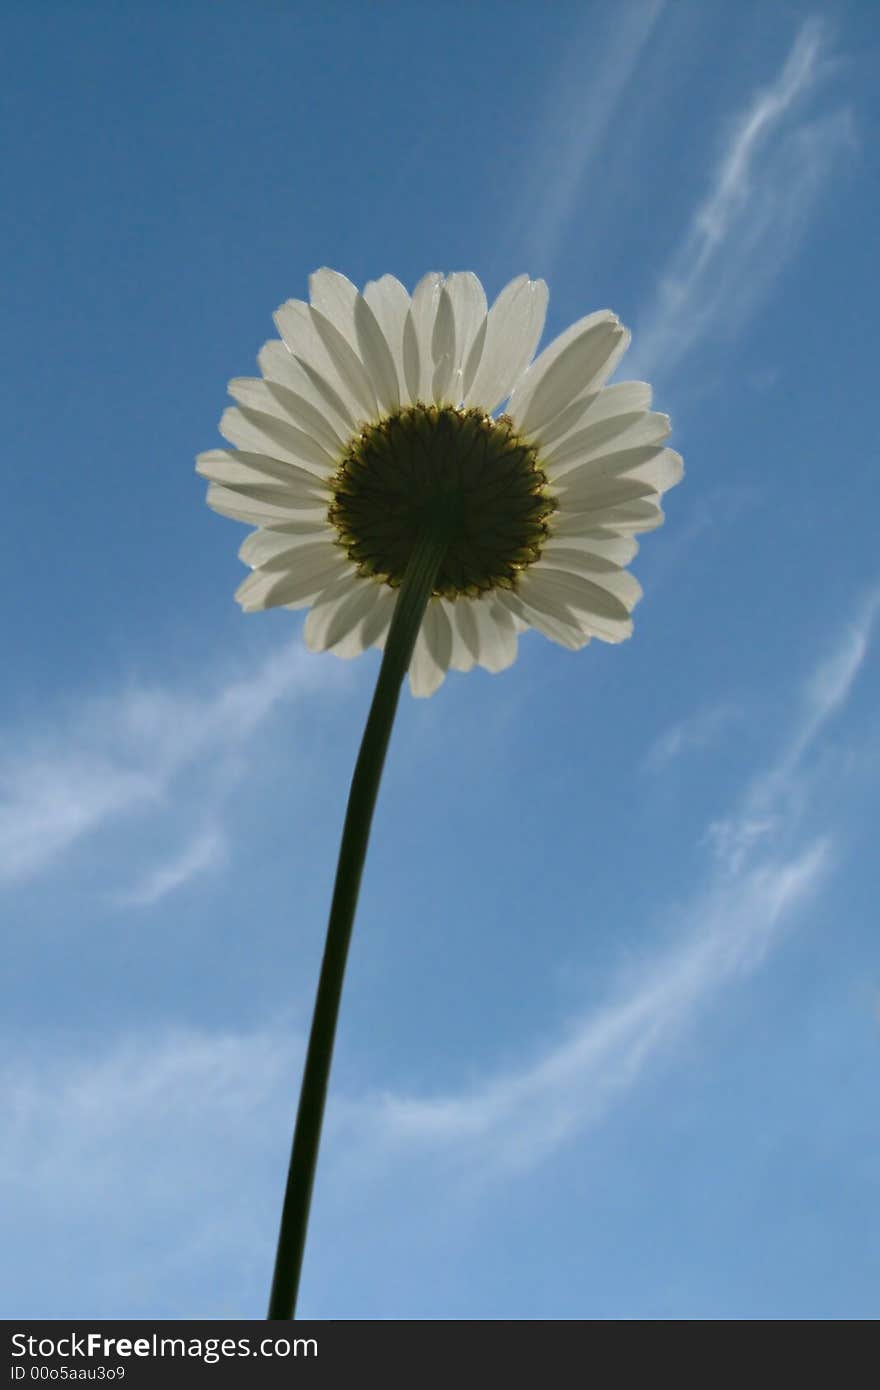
(765, 868)
(179, 1116)
(780, 793)
(765, 187)
(832, 681)
(206, 851)
(577, 123)
(687, 735)
(115, 755)
(517, 1119)
(827, 689)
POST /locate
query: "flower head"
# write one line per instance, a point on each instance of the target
(375, 418)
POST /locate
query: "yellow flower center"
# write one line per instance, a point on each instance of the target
(459, 473)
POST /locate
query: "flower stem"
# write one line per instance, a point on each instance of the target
(415, 590)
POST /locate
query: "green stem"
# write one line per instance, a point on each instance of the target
(409, 610)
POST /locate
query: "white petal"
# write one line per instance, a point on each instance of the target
(513, 329)
(472, 362)
(301, 551)
(295, 322)
(278, 365)
(654, 469)
(443, 350)
(349, 367)
(253, 391)
(559, 625)
(378, 620)
(235, 469)
(418, 333)
(293, 319)
(376, 355)
(334, 295)
(617, 550)
(496, 634)
(573, 416)
(252, 430)
(314, 420)
(438, 633)
(412, 359)
(272, 398)
(346, 635)
(260, 547)
(616, 580)
(325, 609)
(663, 472)
(234, 504)
(605, 615)
(624, 397)
(389, 301)
(337, 400)
(623, 518)
(469, 628)
(430, 658)
(590, 491)
(578, 361)
(465, 646)
(274, 493)
(539, 369)
(469, 308)
(633, 430)
(295, 587)
(313, 555)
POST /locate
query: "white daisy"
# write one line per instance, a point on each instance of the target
(377, 410)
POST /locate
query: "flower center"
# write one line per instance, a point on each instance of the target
(458, 473)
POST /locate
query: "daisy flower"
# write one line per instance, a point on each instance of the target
(393, 498)
(378, 414)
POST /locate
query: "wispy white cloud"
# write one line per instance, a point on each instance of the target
(573, 130)
(206, 851)
(51, 799)
(518, 1117)
(141, 1088)
(764, 869)
(159, 1143)
(697, 731)
(113, 755)
(831, 683)
(185, 1112)
(777, 796)
(765, 187)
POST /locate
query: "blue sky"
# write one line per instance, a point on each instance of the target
(610, 1036)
